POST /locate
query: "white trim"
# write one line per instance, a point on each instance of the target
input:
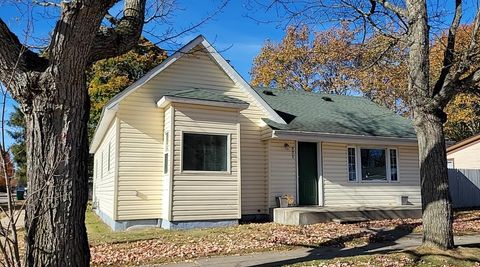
(166, 100)
(239, 171)
(343, 138)
(231, 73)
(172, 164)
(296, 172)
(358, 164)
(237, 79)
(116, 168)
(108, 114)
(229, 151)
(398, 164)
(320, 192)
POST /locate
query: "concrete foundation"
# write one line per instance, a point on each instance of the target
(312, 215)
(165, 224)
(125, 225)
(198, 224)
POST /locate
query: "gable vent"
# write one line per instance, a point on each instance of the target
(326, 98)
(265, 92)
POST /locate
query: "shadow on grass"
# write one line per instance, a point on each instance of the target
(379, 241)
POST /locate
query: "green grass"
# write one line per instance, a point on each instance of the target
(100, 233)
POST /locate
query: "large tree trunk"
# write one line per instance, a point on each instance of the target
(436, 201)
(428, 119)
(57, 169)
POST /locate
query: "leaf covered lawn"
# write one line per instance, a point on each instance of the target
(157, 245)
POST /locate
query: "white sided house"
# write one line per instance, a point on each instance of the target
(191, 144)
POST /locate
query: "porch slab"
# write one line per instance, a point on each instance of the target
(312, 215)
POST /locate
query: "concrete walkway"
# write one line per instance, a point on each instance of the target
(305, 254)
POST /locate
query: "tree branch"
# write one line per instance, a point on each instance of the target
(449, 53)
(15, 58)
(453, 82)
(110, 42)
(401, 12)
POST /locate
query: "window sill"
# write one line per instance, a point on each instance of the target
(207, 172)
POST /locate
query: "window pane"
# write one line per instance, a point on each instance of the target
(373, 164)
(393, 165)
(352, 170)
(204, 152)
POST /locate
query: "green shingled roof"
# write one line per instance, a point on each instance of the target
(313, 112)
(202, 94)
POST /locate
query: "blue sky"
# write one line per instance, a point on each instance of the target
(233, 31)
(238, 37)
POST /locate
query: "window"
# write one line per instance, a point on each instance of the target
(166, 147)
(108, 156)
(450, 164)
(204, 152)
(101, 166)
(372, 164)
(96, 169)
(352, 170)
(393, 165)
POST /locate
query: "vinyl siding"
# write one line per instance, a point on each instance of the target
(282, 170)
(467, 157)
(141, 157)
(340, 192)
(205, 195)
(104, 172)
(141, 131)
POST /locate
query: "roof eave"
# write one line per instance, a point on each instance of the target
(108, 114)
(344, 138)
(462, 144)
(166, 100)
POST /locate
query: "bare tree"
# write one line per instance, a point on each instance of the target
(51, 90)
(412, 22)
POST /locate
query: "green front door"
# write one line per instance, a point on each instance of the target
(307, 174)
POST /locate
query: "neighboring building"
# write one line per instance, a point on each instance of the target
(191, 144)
(464, 154)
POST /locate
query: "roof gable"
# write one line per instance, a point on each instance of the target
(111, 107)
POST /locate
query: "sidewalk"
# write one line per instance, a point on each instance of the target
(307, 254)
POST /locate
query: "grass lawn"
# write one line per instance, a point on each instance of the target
(421, 257)
(159, 246)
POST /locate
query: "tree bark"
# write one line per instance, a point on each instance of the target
(57, 146)
(428, 120)
(436, 200)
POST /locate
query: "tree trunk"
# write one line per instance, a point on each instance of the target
(57, 143)
(436, 200)
(428, 119)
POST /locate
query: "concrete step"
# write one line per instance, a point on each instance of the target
(312, 215)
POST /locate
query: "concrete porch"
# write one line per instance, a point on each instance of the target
(312, 215)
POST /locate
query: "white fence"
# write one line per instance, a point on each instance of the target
(464, 187)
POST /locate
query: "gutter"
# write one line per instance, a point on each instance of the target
(344, 138)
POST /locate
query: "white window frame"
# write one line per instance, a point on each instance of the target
(358, 164)
(166, 153)
(109, 156)
(229, 154)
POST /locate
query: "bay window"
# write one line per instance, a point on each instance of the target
(372, 164)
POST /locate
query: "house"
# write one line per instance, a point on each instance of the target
(464, 154)
(192, 144)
